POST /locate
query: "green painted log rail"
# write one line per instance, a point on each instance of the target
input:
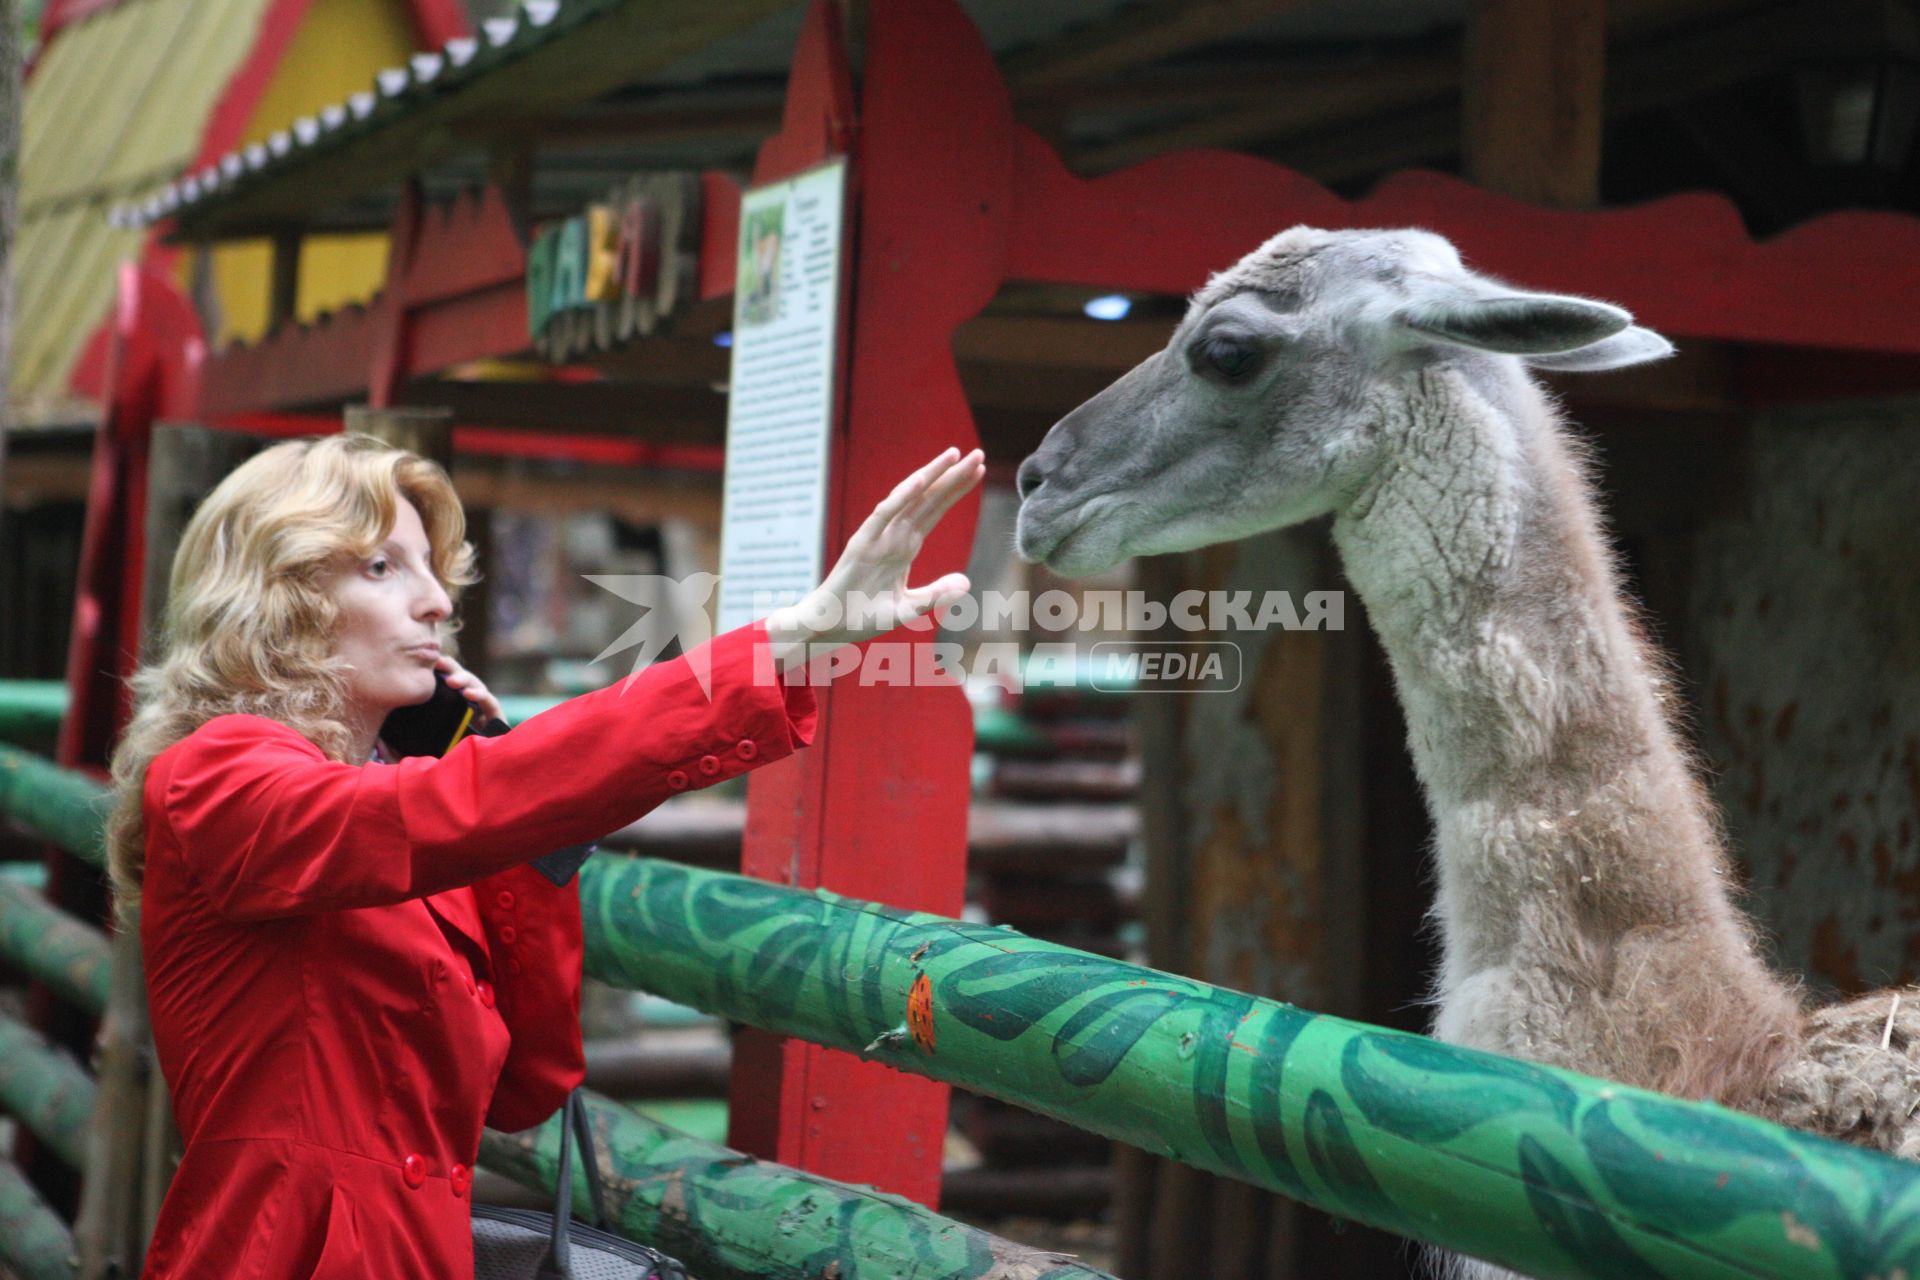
(60, 805)
(46, 1090)
(34, 1242)
(1549, 1172)
(729, 1216)
(1552, 1173)
(31, 710)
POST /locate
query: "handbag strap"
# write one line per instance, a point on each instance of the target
(558, 1264)
(589, 1158)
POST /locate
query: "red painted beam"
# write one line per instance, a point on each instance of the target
(437, 21)
(503, 442)
(1684, 264)
(719, 233)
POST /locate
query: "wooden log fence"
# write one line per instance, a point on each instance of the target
(63, 806)
(45, 942)
(46, 1090)
(31, 710)
(1542, 1170)
(34, 1243)
(1549, 1172)
(729, 1216)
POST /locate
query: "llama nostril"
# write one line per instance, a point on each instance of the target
(1028, 478)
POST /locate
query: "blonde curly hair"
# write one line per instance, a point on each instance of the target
(250, 624)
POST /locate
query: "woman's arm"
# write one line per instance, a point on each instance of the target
(267, 826)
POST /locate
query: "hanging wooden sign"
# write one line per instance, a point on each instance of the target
(615, 271)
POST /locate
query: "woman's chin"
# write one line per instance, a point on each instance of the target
(416, 690)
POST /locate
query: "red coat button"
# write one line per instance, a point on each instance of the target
(460, 1179)
(677, 779)
(486, 994)
(508, 934)
(506, 899)
(709, 765)
(414, 1170)
(748, 748)
(513, 967)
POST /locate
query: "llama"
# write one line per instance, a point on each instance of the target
(1583, 900)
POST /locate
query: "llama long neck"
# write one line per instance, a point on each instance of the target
(1567, 818)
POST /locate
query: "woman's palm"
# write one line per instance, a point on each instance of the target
(870, 579)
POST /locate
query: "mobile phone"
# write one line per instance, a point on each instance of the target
(431, 728)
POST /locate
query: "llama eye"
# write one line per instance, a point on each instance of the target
(1228, 357)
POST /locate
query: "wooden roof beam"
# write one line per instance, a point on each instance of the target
(1531, 105)
(1292, 105)
(1139, 35)
(595, 125)
(1376, 122)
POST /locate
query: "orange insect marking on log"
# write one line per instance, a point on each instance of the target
(920, 1012)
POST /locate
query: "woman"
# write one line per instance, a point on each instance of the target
(350, 965)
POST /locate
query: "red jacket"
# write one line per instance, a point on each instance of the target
(350, 967)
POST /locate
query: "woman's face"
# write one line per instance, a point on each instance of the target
(391, 607)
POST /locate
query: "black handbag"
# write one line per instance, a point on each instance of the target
(525, 1244)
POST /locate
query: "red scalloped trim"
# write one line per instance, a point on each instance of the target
(1684, 264)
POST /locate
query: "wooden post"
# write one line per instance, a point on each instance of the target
(1531, 112)
(510, 168)
(283, 298)
(427, 432)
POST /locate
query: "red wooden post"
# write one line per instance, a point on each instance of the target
(391, 325)
(878, 808)
(151, 371)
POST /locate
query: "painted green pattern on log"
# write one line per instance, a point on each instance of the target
(44, 941)
(55, 804)
(731, 1217)
(46, 1090)
(34, 1243)
(1549, 1172)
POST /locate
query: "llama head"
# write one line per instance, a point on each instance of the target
(1265, 408)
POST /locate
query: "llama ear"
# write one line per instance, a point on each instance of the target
(1518, 324)
(1632, 345)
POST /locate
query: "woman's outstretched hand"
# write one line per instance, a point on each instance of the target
(866, 594)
